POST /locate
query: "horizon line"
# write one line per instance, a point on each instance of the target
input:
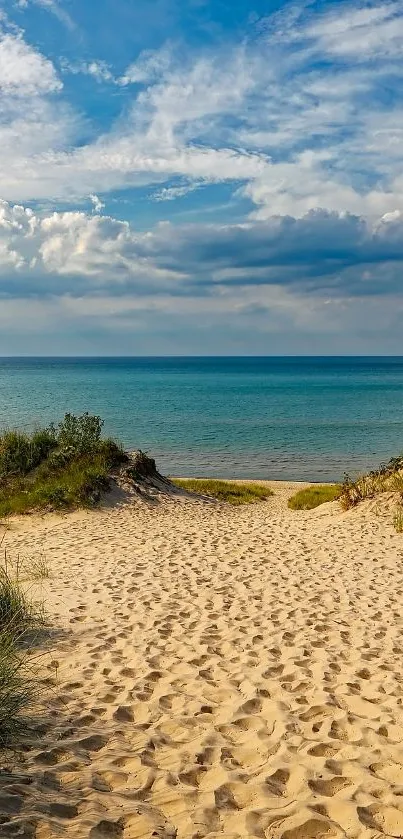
(194, 356)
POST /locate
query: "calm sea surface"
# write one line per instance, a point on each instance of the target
(280, 418)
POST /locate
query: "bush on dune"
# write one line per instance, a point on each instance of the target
(229, 491)
(314, 496)
(63, 466)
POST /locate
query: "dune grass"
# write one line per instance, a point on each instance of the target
(20, 619)
(388, 478)
(229, 491)
(313, 496)
(59, 467)
(21, 452)
(398, 520)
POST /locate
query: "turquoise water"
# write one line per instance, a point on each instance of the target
(280, 418)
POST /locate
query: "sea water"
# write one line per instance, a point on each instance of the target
(272, 418)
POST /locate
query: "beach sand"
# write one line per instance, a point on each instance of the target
(218, 672)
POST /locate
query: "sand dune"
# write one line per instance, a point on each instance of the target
(222, 672)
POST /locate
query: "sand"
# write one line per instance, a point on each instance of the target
(217, 672)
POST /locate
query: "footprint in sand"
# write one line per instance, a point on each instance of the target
(389, 820)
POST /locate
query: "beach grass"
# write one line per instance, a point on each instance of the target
(59, 467)
(387, 478)
(229, 491)
(20, 620)
(314, 496)
(398, 520)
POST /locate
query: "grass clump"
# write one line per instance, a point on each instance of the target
(19, 619)
(398, 520)
(229, 491)
(313, 496)
(17, 689)
(59, 467)
(20, 453)
(388, 478)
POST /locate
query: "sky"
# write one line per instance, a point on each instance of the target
(201, 177)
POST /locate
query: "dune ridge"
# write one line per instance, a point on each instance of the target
(222, 672)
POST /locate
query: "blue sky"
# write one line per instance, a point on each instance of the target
(201, 177)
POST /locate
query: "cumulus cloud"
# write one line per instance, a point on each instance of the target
(77, 252)
(98, 251)
(276, 285)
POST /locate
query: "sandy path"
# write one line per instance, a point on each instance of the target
(232, 672)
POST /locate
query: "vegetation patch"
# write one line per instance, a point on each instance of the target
(20, 620)
(229, 491)
(313, 496)
(398, 520)
(59, 467)
(388, 478)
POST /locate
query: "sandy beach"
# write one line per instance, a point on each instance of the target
(216, 672)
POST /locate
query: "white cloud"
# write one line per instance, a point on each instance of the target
(149, 66)
(68, 273)
(172, 192)
(99, 70)
(77, 250)
(258, 114)
(24, 71)
(360, 32)
(74, 244)
(97, 204)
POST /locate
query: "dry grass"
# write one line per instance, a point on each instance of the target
(388, 478)
(229, 491)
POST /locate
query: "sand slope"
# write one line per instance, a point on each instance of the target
(230, 672)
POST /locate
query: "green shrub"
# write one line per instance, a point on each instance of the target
(14, 453)
(42, 443)
(313, 496)
(82, 434)
(61, 467)
(113, 452)
(229, 491)
(58, 459)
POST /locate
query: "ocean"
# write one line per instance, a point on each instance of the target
(272, 418)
